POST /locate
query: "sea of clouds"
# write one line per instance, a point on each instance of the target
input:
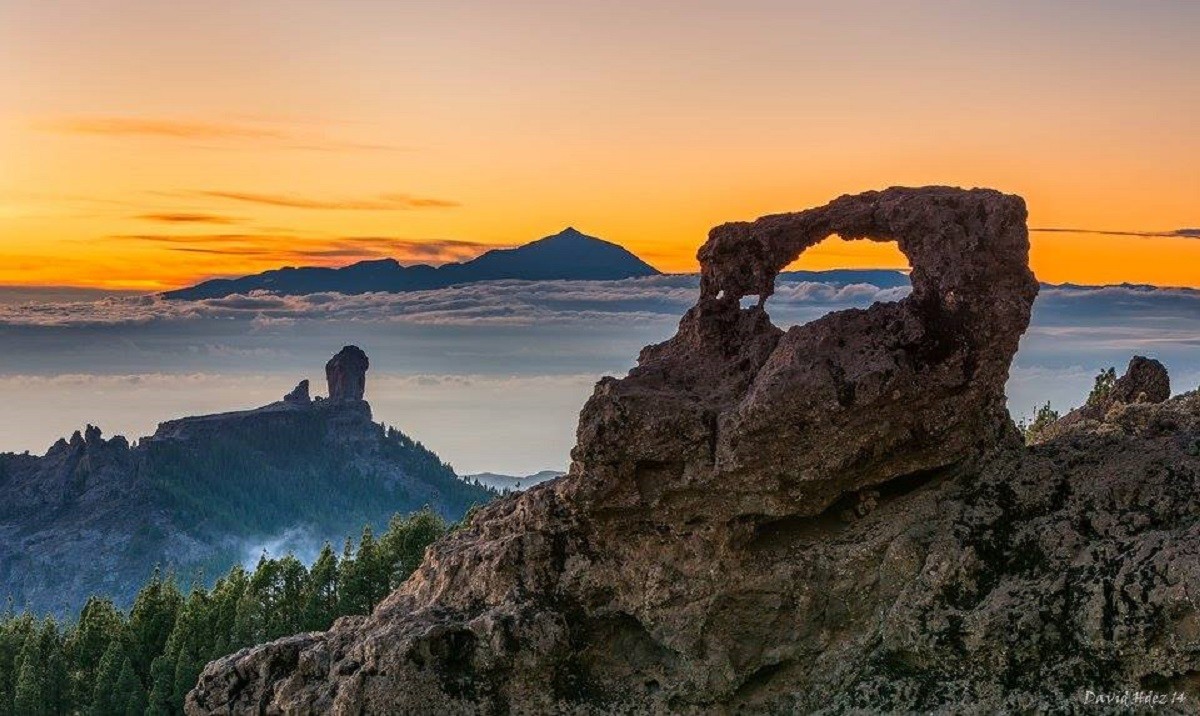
(491, 375)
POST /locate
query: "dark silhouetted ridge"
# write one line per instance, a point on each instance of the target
(567, 255)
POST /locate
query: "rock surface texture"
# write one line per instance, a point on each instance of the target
(837, 517)
(346, 374)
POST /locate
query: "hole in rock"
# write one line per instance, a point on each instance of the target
(835, 275)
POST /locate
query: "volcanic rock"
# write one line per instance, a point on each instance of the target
(299, 394)
(346, 374)
(837, 517)
(1145, 382)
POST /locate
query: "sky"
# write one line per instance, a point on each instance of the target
(147, 145)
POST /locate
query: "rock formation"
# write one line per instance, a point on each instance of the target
(1145, 382)
(95, 516)
(299, 394)
(346, 374)
(838, 516)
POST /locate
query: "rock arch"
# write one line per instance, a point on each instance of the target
(772, 423)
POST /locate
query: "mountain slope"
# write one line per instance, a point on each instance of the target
(95, 516)
(568, 254)
(511, 483)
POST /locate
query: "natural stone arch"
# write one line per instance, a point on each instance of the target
(960, 245)
(772, 423)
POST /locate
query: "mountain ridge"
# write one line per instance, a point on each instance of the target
(96, 515)
(569, 254)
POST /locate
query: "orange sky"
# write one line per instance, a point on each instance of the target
(147, 145)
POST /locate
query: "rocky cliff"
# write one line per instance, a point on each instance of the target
(95, 516)
(838, 517)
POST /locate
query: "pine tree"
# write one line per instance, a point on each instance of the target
(188, 665)
(224, 598)
(150, 622)
(1102, 386)
(347, 581)
(174, 671)
(106, 699)
(29, 695)
(364, 581)
(292, 582)
(56, 684)
(161, 700)
(99, 625)
(130, 697)
(405, 541)
(14, 630)
(321, 600)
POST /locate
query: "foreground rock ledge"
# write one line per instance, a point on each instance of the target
(836, 517)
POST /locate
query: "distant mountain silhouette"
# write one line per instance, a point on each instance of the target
(568, 254)
(511, 483)
(880, 278)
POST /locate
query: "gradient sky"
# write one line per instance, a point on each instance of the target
(147, 144)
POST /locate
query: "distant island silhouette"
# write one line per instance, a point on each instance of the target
(567, 255)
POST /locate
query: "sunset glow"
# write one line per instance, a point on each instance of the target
(149, 145)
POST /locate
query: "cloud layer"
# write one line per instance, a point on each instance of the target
(509, 303)
(492, 375)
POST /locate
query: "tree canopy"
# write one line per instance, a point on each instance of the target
(145, 661)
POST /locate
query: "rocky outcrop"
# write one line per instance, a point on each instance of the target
(346, 374)
(95, 516)
(840, 516)
(1145, 382)
(299, 394)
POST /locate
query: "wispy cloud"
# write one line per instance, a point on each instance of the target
(380, 202)
(149, 127)
(320, 249)
(1167, 234)
(281, 135)
(188, 218)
